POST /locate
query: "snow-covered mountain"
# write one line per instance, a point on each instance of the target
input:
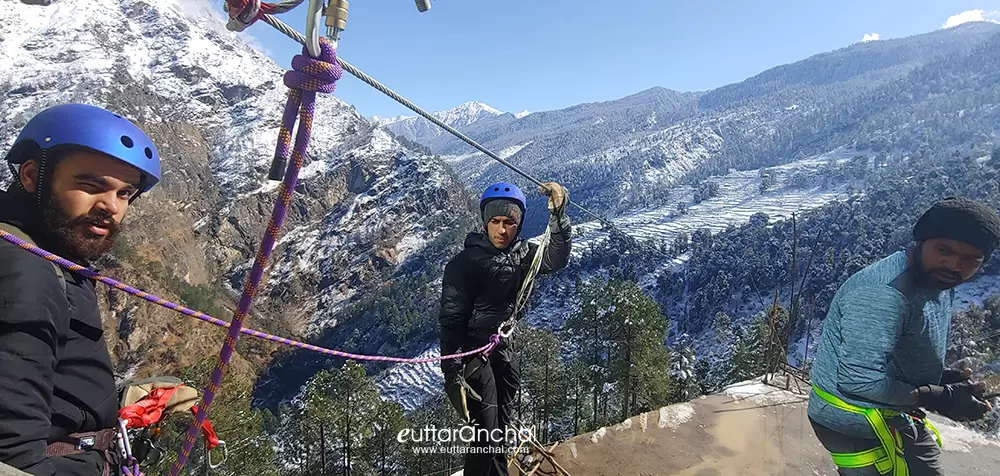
(358, 265)
(366, 208)
(422, 131)
(641, 159)
(619, 155)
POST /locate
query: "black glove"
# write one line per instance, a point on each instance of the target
(956, 401)
(954, 376)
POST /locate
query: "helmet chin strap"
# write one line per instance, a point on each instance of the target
(15, 172)
(39, 186)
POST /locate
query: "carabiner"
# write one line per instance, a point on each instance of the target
(314, 16)
(208, 454)
(510, 331)
(124, 448)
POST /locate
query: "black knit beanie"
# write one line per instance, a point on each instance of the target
(502, 207)
(963, 220)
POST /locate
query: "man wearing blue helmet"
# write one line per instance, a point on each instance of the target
(77, 169)
(478, 291)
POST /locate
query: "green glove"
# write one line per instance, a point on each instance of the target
(558, 197)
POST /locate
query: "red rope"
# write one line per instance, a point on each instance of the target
(149, 411)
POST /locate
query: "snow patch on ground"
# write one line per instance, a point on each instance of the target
(959, 438)
(760, 394)
(674, 416)
(625, 425)
(976, 291)
(594, 438)
(411, 385)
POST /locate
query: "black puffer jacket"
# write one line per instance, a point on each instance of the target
(55, 370)
(481, 283)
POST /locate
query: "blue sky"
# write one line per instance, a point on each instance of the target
(550, 54)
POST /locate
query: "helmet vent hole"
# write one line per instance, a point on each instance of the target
(127, 141)
(149, 153)
(119, 117)
(506, 189)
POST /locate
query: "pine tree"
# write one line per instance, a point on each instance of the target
(682, 371)
(579, 389)
(749, 360)
(636, 335)
(587, 329)
(543, 380)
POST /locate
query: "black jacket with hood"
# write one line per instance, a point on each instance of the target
(55, 369)
(480, 286)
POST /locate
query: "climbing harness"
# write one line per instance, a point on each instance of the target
(144, 405)
(887, 458)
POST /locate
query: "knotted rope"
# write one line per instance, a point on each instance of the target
(309, 76)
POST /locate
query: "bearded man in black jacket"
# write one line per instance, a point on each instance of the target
(77, 169)
(478, 293)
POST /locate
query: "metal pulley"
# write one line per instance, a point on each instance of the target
(336, 19)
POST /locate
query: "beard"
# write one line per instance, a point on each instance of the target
(930, 277)
(73, 234)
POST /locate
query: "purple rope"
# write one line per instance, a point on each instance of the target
(318, 76)
(132, 468)
(86, 272)
(309, 76)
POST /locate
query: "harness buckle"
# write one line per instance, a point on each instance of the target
(86, 442)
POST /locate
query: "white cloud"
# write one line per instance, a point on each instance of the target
(971, 16)
(870, 37)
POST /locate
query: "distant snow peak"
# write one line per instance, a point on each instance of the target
(420, 130)
(467, 113)
(385, 121)
(522, 114)
(968, 16)
(869, 37)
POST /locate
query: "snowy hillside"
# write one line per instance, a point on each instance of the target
(882, 96)
(735, 203)
(358, 262)
(422, 131)
(213, 103)
(738, 199)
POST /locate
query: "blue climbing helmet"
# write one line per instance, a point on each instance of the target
(503, 190)
(93, 128)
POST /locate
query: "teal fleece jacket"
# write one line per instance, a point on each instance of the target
(884, 335)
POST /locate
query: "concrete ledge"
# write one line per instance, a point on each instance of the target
(11, 471)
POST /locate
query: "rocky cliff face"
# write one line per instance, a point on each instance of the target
(364, 210)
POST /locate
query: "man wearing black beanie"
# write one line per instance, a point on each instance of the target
(881, 357)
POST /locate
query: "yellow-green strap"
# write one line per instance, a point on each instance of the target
(892, 445)
(930, 426)
(861, 459)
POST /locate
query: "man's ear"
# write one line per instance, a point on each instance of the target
(28, 175)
